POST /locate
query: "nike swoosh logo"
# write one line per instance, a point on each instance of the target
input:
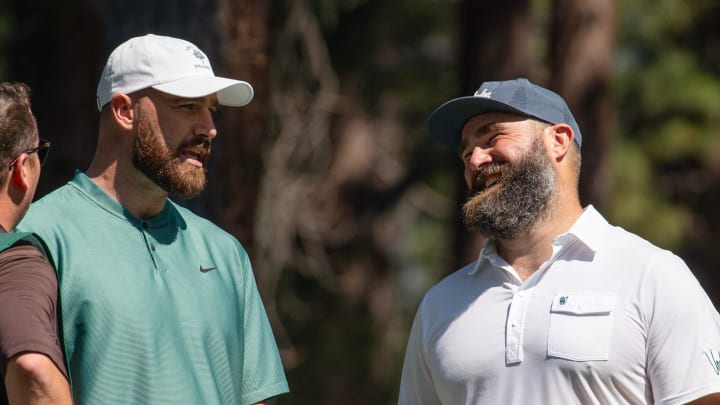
(205, 270)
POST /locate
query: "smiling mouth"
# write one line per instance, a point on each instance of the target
(483, 184)
(195, 157)
(490, 181)
(488, 177)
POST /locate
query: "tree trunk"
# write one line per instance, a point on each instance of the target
(582, 42)
(235, 178)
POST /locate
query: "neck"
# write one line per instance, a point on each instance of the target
(122, 181)
(6, 225)
(14, 203)
(527, 252)
(112, 170)
(9, 215)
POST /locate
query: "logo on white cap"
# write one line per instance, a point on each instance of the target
(198, 54)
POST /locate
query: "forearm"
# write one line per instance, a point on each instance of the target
(712, 399)
(33, 379)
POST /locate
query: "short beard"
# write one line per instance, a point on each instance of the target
(517, 202)
(162, 166)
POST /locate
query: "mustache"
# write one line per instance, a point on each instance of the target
(200, 146)
(490, 169)
(198, 141)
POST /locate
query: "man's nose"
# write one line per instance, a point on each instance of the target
(478, 158)
(205, 127)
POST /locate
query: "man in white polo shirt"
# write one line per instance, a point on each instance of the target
(560, 306)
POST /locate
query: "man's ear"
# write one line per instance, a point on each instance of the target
(122, 111)
(562, 137)
(19, 172)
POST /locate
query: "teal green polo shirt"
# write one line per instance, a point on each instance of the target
(156, 311)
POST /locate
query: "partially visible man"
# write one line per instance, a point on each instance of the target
(560, 307)
(31, 358)
(159, 305)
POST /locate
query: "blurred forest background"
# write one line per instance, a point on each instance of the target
(328, 178)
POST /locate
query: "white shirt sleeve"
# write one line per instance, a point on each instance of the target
(683, 333)
(416, 385)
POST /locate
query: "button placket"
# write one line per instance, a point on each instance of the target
(515, 326)
(149, 242)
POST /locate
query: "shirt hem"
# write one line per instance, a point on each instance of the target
(268, 392)
(691, 396)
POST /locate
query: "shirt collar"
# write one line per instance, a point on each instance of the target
(588, 230)
(488, 254)
(83, 183)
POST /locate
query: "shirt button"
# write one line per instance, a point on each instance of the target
(152, 247)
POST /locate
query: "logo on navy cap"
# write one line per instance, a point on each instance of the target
(484, 94)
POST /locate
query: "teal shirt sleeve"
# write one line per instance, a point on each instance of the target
(264, 376)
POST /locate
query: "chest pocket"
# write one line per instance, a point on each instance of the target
(581, 326)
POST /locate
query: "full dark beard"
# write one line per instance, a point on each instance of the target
(517, 201)
(164, 167)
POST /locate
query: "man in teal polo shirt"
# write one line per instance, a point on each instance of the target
(159, 306)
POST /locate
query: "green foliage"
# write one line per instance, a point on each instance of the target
(635, 204)
(677, 82)
(668, 96)
(425, 250)
(404, 47)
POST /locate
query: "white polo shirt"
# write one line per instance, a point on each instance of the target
(608, 319)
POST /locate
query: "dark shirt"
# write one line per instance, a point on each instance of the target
(28, 307)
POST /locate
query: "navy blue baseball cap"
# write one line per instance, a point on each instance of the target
(518, 96)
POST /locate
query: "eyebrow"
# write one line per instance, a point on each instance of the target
(489, 127)
(483, 129)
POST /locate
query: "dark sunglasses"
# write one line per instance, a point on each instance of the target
(42, 150)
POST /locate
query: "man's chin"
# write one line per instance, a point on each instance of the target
(186, 191)
(180, 195)
(184, 184)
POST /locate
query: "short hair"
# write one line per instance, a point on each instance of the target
(18, 127)
(575, 152)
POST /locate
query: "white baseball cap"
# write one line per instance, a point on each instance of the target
(170, 65)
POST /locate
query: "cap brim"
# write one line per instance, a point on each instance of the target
(447, 121)
(233, 93)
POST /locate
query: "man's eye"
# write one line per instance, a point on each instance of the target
(189, 107)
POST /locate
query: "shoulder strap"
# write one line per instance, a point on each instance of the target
(9, 239)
